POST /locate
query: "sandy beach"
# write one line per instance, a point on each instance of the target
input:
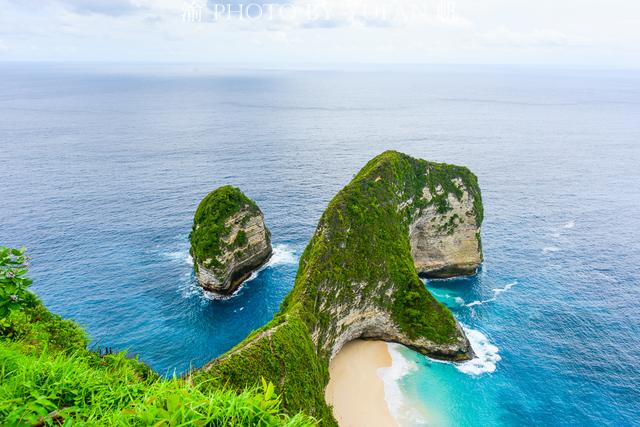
(355, 390)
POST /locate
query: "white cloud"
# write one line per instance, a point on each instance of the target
(590, 32)
(102, 7)
(539, 38)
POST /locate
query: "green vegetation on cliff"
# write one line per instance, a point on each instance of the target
(360, 256)
(209, 227)
(48, 377)
(283, 352)
(363, 238)
(357, 267)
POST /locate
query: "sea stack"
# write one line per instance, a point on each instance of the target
(358, 278)
(229, 240)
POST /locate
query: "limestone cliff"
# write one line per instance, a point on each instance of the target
(445, 234)
(229, 240)
(358, 278)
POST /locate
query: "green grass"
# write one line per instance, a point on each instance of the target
(83, 388)
(287, 357)
(48, 377)
(209, 224)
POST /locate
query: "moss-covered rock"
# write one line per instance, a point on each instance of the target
(229, 240)
(358, 279)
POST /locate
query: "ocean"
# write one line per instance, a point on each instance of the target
(103, 167)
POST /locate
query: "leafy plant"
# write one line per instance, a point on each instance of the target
(48, 377)
(14, 292)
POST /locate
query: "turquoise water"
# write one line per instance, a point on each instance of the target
(103, 167)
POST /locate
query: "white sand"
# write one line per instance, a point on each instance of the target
(355, 390)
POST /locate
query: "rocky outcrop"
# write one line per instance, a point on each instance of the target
(359, 278)
(377, 324)
(229, 240)
(447, 243)
(398, 211)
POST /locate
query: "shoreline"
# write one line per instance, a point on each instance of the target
(356, 390)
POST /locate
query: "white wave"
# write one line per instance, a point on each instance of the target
(217, 297)
(477, 302)
(550, 249)
(570, 224)
(459, 301)
(496, 292)
(487, 356)
(190, 289)
(182, 256)
(391, 377)
(282, 254)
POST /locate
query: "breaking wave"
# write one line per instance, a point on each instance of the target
(282, 254)
(496, 292)
(487, 356)
(180, 256)
(391, 376)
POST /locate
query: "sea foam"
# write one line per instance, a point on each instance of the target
(496, 292)
(391, 376)
(487, 356)
(182, 256)
(282, 254)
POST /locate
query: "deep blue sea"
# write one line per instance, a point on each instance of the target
(102, 168)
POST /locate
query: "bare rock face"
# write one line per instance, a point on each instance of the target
(229, 240)
(446, 243)
(370, 322)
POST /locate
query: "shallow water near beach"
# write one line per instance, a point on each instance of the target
(104, 167)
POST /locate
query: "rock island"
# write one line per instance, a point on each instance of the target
(229, 240)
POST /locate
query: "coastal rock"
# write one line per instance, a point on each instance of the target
(445, 236)
(359, 278)
(397, 211)
(229, 240)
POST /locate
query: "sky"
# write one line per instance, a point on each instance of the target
(590, 33)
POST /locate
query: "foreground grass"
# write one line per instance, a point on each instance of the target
(41, 387)
(48, 377)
